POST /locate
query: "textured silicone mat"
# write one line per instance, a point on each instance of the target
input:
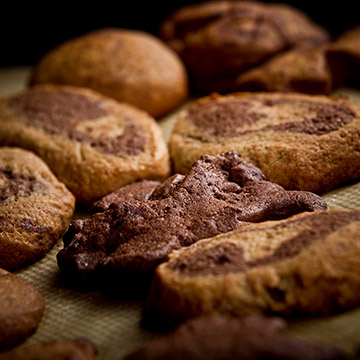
(113, 324)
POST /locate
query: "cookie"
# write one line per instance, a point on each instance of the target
(21, 309)
(129, 66)
(344, 58)
(299, 70)
(140, 191)
(305, 265)
(219, 40)
(216, 337)
(299, 141)
(92, 143)
(35, 208)
(220, 193)
(79, 349)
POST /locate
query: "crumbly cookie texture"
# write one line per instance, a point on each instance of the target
(35, 208)
(129, 66)
(92, 143)
(299, 70)
(219, 40)
(303, 142)
(220, 193)
(306, 264)
(79, 349)
(216, 337)
(21, 309)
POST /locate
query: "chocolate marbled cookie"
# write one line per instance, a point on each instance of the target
(21, 309)
(92, 143)
(35, 208)
(301, 70)
(216, 337)
(129, 66)
(220, 193)
(303, 142)
(219, 40)
(306, 264)
(343, 56)
(79, 349)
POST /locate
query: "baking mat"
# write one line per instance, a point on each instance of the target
(112, 323)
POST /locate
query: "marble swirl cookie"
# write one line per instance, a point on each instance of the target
(216, 337)
(303, 142)
(35, 208)
(21, 309)
(305, 265)
(130, 66)
(219, 40)
(92, 143)
(78, 349)
(220, 193)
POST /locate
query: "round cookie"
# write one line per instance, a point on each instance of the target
(35, 208)
(302, 142)
(129, 66)
(306, 264)
(21, 309)
(219, 40)
(92, 143)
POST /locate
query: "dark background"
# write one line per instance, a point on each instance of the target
(27, 31)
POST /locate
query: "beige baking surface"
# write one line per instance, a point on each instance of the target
(114, 324)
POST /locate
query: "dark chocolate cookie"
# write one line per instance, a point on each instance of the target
(220, 193)
(306, 264)
(222, 338)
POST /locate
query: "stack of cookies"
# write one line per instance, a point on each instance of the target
(221, 230)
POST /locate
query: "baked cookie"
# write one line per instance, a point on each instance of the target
(21, 309)
(140, 190)
(220, 193)
(129, 66)
(299, 70)
(92, 143)
(344, 58)
(299, 141)
(35, 208)
(306, 264)
(216, 337)
(219, 40)
(79, 349)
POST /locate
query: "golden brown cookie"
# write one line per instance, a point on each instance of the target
(218, 40)
(21, 309)
(299, 141)
(129, 66)
(35, 208)
(92, 143)
(306, 264)
(344, 58)
(301, 70)
(79, 349)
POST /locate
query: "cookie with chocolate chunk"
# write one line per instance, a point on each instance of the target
(220, 193)
(216, 337)
(79, 349)
(21, 309)
(219, 40)
(92, 143)
(343, 56)
(301, 70)
(306, 264)
(303, 142)
(35, 208)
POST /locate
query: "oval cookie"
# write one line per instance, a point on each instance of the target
(92, 143)
(306, 264)
(299, 141)
(21, 309)
(35, 208)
